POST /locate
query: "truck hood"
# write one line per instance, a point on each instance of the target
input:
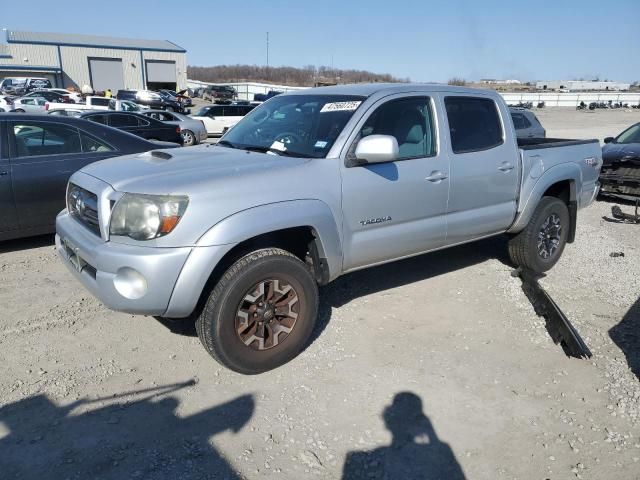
(185, 169)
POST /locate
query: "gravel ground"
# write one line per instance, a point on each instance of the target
(436, 367)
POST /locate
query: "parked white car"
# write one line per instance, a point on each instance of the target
(218, 119)
(30, 105)
(6, 103)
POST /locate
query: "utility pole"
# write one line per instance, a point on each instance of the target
(267, 49)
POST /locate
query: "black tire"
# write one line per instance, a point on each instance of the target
(188, 134)
(19, 110)
(217, 325)
(525, 249)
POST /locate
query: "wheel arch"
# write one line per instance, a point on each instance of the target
(305, 228)
(560, 182)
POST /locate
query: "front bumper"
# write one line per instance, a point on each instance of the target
(124, 277)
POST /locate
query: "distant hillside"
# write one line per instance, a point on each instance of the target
(302, 77)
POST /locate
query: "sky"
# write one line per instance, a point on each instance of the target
(422, 40)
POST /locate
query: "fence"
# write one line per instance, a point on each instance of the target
(246, 91)
(571, 99)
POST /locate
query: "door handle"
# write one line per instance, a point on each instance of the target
(436, 176)
(505, 167)
(2, 174)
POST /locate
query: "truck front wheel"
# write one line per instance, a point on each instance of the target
(261, 313)
(539, 246)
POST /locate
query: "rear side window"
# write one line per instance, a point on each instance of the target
(100, 102)
(92, 144)
(518, 121)
(97, 118)
(41, 138)
(474, 124)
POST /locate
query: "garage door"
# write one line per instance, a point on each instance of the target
(161, 72)
(106, 73)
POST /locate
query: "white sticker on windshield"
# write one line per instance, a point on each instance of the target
(320, 144)
(278, 146)
(340, 107)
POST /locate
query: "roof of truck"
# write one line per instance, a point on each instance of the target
(368, 89)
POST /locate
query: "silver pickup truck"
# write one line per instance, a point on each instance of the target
(307, 187)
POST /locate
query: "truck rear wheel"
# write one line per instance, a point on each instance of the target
(539, 246)
(261, 313)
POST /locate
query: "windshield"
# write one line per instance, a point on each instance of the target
(202, 112)
(296, 125)
(630, 135)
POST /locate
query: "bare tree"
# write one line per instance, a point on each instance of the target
(460, 82)
(304, 77)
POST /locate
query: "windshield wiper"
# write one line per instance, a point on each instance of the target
(257, 148)
(284, 153)
(226, 143)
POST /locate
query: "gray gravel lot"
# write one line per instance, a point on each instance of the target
(436, 366)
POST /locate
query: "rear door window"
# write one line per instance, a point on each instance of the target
(474, 124)
(122, 120)
(42, 138)
(231, 112)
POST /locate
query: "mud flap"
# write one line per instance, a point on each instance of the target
(558, 325)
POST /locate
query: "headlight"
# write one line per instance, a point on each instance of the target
(145, 217)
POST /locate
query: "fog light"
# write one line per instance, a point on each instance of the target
(130, 283)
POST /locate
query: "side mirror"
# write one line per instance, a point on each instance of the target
(609, 140)
(377, 149)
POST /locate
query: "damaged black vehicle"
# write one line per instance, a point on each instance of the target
(620, 173)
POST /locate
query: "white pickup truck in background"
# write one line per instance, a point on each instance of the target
(90, 103)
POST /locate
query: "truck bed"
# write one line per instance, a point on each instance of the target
(540, 155)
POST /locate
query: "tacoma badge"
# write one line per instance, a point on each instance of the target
(370, 221)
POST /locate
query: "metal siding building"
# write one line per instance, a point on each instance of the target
(102, 62)
(582, 85)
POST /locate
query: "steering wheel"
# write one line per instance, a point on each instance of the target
(287, 138)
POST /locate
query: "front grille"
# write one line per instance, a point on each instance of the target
(83, 205)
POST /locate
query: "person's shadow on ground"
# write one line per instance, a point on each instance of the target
(144, 438)
(627, 336)
(415, 453)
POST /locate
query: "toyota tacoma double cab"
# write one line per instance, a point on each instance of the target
(309, 186)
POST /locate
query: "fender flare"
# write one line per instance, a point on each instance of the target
(271, 217)
(216, 242)
(559, 173)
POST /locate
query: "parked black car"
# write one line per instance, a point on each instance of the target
(151, 99)
(38, 154)
(263, 97)
(181, 96)
(139, 125)
(620, 173)
(50, 96)
(219, 93)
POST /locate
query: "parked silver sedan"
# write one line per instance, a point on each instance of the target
(193, 131)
